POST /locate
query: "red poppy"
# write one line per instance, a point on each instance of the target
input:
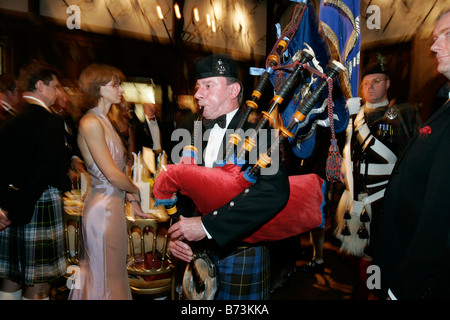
(425, 131)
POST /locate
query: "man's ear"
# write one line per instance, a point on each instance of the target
(235, 88)
(388, 84)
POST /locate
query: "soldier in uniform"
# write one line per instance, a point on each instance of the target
(380, 131)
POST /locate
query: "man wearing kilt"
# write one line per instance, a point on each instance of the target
(243, 269)
(381, 130)
(34, 173)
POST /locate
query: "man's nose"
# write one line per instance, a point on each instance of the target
(198, 94)
(436, 44)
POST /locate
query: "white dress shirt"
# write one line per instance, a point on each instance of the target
(154, 131)
(212, 148)
(215, 141)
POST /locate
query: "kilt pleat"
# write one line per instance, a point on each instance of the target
(34, 253)
(245, 274)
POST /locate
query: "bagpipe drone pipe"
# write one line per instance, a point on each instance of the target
(211, 188)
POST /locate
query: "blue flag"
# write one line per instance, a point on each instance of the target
(340, 21)
(307, 36)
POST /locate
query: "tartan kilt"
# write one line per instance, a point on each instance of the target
(34, 253)
(245, 274)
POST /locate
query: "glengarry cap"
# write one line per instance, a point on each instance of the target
(216, 66)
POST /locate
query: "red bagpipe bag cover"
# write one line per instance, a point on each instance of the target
(211, 188)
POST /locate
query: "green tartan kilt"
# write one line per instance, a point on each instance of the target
(34, 253)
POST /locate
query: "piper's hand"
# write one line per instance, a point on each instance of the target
(189, 229)
(4, 221)
(136, 210)
(181, 250)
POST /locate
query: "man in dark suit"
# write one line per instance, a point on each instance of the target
(34, 173)
(413, 250)
(151, 132)
(63, 107)
(243, 269)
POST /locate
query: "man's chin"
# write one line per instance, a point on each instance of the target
(444, 68)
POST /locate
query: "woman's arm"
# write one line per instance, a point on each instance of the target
(94, 148)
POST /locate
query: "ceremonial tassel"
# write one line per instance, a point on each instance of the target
(346, 230)
(362, 232)
(364, 217)
(334, 163)
(334, 160)
(347, 215)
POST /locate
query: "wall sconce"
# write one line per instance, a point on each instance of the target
(176, 8)
(159, 11)
(200, 27)
(196, 14)
(161, 17)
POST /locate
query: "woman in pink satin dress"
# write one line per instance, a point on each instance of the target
(103, 274)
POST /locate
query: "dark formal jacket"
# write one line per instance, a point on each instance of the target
(33, 158)
(251, 208)
(70, 138)
(143, 136)
(413, 251)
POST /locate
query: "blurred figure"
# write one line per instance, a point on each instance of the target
(152, 132)
(31, 182)
(9, 97)
(63, 107)
(413, 247)
(316, 163)
(120, 117)
(103, 274)
(185, 118)
(147, 132)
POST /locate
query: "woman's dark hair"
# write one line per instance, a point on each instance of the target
(93, 77)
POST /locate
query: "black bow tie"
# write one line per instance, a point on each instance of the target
(221, 122)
